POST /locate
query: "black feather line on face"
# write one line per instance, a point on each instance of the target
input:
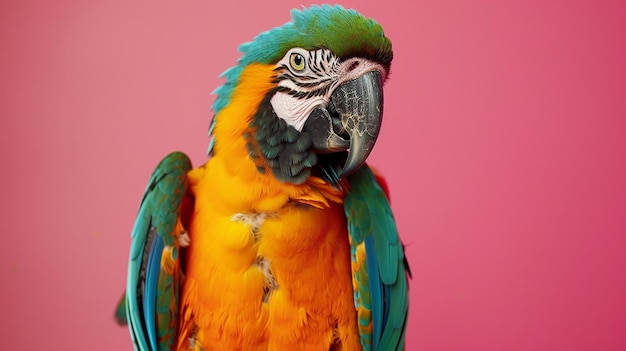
(314, 64)
(306, 95)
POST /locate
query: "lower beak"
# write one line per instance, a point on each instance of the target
(351, 122)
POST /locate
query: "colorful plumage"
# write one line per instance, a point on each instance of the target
(284, 238)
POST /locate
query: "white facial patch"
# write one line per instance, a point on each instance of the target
(294, 110)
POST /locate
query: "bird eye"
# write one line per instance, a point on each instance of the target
(297, 62)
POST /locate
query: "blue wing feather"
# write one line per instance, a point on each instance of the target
(152, 277)
(134, 317)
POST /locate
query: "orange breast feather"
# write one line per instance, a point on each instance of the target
(268, 267)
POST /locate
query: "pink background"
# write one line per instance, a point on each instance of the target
(503, 144)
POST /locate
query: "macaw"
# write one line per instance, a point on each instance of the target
(284, 239)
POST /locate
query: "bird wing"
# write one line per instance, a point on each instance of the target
(379, 267)
(154, 273)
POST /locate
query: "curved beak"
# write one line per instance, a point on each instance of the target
(351, 122)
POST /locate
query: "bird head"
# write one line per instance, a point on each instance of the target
(313, 88)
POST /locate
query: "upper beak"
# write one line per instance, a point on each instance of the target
(354, 113)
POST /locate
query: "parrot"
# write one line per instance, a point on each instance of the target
(284, 239)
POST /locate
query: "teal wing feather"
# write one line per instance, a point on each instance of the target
(152, 289)
(378, 264)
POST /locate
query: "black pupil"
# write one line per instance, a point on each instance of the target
(297, 60)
